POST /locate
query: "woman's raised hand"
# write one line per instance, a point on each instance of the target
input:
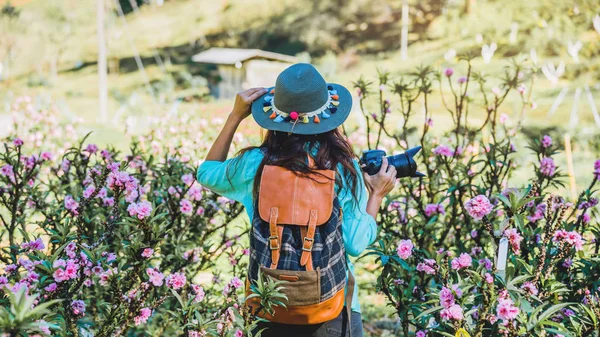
(383, 182)
(243, 101)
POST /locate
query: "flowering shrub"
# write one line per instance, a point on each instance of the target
(100, 243)
(462, 251)
(103, 243)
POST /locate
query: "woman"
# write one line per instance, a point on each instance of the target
(302, 115)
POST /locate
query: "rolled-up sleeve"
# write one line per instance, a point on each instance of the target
(359, 229)
(232, 178)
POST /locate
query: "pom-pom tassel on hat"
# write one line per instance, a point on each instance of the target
(317, 120)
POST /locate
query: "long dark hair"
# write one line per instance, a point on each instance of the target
(290, 151)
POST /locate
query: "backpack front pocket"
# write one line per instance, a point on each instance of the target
(300, 287)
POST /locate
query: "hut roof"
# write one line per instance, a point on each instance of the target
(234, 55)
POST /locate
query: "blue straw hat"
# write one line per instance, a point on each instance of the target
(302, 103)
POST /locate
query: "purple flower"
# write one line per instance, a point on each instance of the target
(78, 307)
(462, 80)
(547, 167)
(17, 142)
(546, 141)
(443, 150)
(448, 72)
(597, 169)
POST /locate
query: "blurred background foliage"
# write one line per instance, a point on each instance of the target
(49, 48)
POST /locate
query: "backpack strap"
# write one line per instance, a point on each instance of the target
(275, 233)
(308, 240)
(348, 309)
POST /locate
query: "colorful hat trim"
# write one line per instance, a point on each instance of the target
(279, 116)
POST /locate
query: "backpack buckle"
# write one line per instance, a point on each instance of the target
(310, 243)
(274, 242)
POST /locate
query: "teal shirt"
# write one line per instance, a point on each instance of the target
(359, 229)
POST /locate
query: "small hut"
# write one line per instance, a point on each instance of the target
(240, 69)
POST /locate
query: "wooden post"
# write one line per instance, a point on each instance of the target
(102, 63)
(404, 36)
(569, 153)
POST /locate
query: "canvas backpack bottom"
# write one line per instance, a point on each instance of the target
(303, 305)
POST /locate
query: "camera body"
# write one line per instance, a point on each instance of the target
(404, 163)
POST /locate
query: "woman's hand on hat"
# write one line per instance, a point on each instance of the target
(383, 182)
(243, 101)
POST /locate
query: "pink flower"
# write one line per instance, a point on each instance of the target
(46, 156)
(427, 266)
(546, 141)
(448, 72)
(78, 307)
(446, 297)
(454, 312)
(421, 333)
(432, 209)
(547, 167)
(506, 309)
(147, 253)
(463, 261)
(530, 288)
(156, 277)
(89, 191)
(597, 169)
(176, 280)
(199, 291)
(236, 283)
(404, 249)
(489, 278)
(142, 210)
(51, 287)
(239, 333)
(37, 244)
(572, 238)
(187, 179)
(479, 207)
(145, 313)
(462, 80)
(7, 171)
(17, 142)
(443, 150)
(195, 193)
(185, 206)
(504, 118)
(514, 238)
(71, 205)
(91, 148)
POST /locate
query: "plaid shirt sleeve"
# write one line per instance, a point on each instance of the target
(358, 228)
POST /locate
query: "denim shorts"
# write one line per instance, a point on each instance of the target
(333, 328)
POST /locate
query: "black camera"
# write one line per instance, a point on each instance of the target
(404, 163)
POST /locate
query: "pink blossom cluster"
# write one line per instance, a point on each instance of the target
(506, 309)
(8, 171)
(143, 316)
(195, 192)
(78, 307)
(36, 244)
(404, 249)
(155, 276)
(443, 150)
(479, 207)
(432, 209)
(463, 261)
(71, 205)
(597, 169)
(186, 207)
(176, 281)
(233, 285)
(514, 238)
(450, 310)
(428, 266)
(530, 288)
(198, 293)
(538, 214)
(546, 141)
(547, 167)
(572, 238)
(141, 210)
(66, 270)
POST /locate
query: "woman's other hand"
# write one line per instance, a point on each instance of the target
(243, 101)
(382, 183)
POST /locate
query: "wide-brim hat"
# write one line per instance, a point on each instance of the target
(302, 102)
